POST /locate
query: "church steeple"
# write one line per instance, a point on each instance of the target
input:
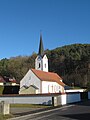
(41, 61)
(41, 48)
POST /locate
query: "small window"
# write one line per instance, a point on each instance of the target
(45, 65)
(39, 65)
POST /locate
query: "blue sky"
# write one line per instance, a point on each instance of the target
(62, 22)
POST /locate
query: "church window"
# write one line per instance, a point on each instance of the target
(48, 88)
(45, 65)
(39, 65)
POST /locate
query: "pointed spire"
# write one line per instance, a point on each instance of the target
(41, 49)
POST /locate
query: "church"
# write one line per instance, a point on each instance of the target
(40, 80)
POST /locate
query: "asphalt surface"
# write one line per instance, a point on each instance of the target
(79, 111)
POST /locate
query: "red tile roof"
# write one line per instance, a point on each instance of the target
(12, 80)
(7, 79)
(48, 76)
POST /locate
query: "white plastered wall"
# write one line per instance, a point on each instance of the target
(30, 79)
(38, 61)
(51, 87)
(45, 63)
(1, 83)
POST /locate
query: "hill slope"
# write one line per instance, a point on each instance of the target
(71, 62)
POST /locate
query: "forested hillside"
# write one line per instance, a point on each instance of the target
(71, 62)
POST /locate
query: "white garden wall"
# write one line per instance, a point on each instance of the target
(47, 100)
(74, 97)
(60, 99)
(64, 99)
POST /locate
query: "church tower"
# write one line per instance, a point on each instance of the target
(41, 61)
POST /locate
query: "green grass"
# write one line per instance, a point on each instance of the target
(76, 87)
(1, 89)
(5, 117)
(29, 105)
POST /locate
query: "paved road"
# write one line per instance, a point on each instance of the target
(79, 111)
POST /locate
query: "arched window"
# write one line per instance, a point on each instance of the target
(39, 65)
(45, 65)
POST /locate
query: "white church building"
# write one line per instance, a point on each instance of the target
(39, 80)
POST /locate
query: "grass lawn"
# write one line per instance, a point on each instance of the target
(5, 117)
(29, 105)
(76, 87)
(1, 89)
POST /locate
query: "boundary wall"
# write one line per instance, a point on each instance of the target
(46, 99)
(54, 99)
